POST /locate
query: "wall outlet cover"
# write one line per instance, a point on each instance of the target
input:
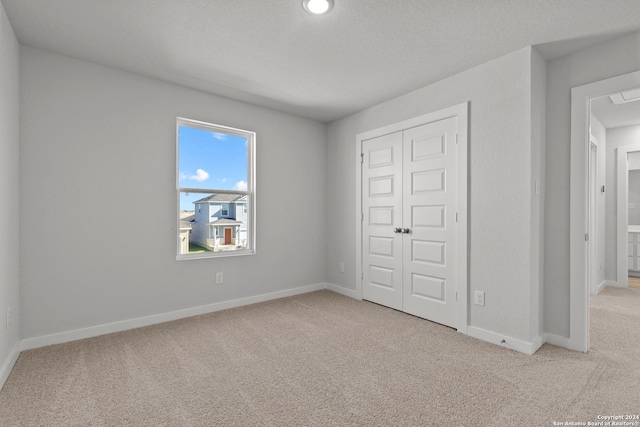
(479, 298)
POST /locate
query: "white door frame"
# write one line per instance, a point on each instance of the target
(462, 112)
(593, 217)
(622, 217)
(578, 202)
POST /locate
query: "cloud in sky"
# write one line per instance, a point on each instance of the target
(201, 175)
(219, 136)
(240, 186)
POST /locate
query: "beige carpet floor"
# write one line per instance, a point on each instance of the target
(322, 359)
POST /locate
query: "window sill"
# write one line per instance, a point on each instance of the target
(222, 254)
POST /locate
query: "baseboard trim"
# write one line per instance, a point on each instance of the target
(528, 348)
(343, 291)
(8, 365)
(109, 328)
(603, 285)
(617, 284)
(557, 340)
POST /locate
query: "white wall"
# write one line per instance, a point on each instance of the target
(9, 192)
(633, 160)
(606, 60)
(616, 138)
(634, 197)
(600, 134)
(500, 184)
(538, 119)
(102, 141)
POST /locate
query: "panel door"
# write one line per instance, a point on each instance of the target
(381, 206)
(429, 213)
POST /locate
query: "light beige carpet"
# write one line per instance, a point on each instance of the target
(322, 359)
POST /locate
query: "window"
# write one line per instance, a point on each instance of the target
(215, 171)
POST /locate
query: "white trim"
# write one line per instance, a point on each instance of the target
(250, 193)
(343, 291)
(613, 284)
(603, 285)
(462, 112)
(556, 340)
(94, 331)
(622, 217)
(8, 365)
(594, 260)
(578, 206)
(505, 341)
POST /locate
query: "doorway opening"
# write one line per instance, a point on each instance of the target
(599, 250)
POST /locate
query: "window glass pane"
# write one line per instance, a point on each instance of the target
(206, 227)
(209, 159)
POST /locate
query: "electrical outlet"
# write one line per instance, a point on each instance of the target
(479, 298)
(8, 317)
(219, 278)
(342, 267)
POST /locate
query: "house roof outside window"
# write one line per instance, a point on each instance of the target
(225, 221)
(223, 198)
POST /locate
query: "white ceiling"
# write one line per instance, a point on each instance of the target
(615, 115)
(274, 54)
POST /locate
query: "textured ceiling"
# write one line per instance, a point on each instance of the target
(273, 53)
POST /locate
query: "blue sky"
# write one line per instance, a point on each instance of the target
(209, 159)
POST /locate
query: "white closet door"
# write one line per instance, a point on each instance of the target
(429, 219)
(382, 216)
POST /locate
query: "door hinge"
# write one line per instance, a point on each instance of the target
(456, 295)
(586, 237)
(456, 216)
(361, 158)
(456, 138)
(361, 275)
(361, 216)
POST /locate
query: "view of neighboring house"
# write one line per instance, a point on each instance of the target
(186, 219)
(220, 222)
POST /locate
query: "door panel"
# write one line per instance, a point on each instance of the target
(429, 269)
(409, 182)
(382, 204)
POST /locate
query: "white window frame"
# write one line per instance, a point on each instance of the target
(250, 192)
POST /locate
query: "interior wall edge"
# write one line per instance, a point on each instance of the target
(9, 363)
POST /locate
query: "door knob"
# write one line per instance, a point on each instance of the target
(406, 230)
(397, 230)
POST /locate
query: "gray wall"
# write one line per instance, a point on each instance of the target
(97, 137)
(634, 197)
(600, 133)
(538, 125)
(500, 184)
(617, 137)
(606, 60)
(9, 189)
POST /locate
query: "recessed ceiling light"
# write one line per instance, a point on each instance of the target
(317, 7)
